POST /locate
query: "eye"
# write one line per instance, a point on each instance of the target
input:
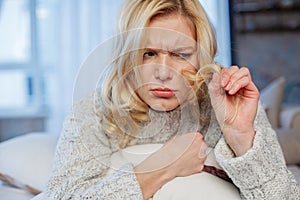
(185, 55)
(182, 55)
(148, 54)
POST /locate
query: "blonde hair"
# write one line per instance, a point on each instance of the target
(118, 97)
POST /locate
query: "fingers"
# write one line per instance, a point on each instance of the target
(226, 74)
(194, 155)
(198, 145)
(202, 151)
(234, 78)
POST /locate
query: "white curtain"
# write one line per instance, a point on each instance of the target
(79, 26)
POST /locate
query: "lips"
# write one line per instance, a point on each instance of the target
(163, 92)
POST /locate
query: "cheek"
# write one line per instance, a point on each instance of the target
(188, 79)
(186, 86)
(142, 92)
(190, 64)
(146, 73)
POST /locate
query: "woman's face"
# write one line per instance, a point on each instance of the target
(162, 85)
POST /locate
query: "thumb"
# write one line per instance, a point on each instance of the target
(217, 97)
(216, 92)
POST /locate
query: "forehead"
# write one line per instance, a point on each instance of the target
(169, 32)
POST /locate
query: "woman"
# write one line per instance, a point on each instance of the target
(154, 92)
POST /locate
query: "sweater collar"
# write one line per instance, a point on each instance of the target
(163, 125)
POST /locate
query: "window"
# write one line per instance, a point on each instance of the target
(43, 44)
(21, 83)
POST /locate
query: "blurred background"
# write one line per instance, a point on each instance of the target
(44, 43)
(266, 38)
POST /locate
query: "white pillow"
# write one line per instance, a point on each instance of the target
(26, 161)
(271, 98)
(198, 186)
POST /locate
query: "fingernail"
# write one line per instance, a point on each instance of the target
(233, 90)
(228, 86)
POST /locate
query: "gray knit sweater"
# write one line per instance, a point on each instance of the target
(84, 150)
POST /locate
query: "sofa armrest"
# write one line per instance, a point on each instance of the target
(290, 117)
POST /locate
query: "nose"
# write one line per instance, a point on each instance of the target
(163, 69)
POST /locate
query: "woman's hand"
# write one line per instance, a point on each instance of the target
(183, 155)
(235, 100)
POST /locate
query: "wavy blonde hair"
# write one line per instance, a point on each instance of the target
(118, 97)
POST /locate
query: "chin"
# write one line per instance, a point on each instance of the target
(162, 107)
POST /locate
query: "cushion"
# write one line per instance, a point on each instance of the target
(202, 185)
(271, 98)
(290, 117)
(26, 161)
(289, 141)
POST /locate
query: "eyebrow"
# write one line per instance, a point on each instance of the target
(171, 50)
(183, 49)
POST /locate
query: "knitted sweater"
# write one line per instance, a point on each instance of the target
(84, 151)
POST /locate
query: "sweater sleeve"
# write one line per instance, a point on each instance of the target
(82, 160)
(261, 173)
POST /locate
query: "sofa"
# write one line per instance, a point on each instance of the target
(25, 161)
(285, 119)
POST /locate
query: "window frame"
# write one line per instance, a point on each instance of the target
(33, 71)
